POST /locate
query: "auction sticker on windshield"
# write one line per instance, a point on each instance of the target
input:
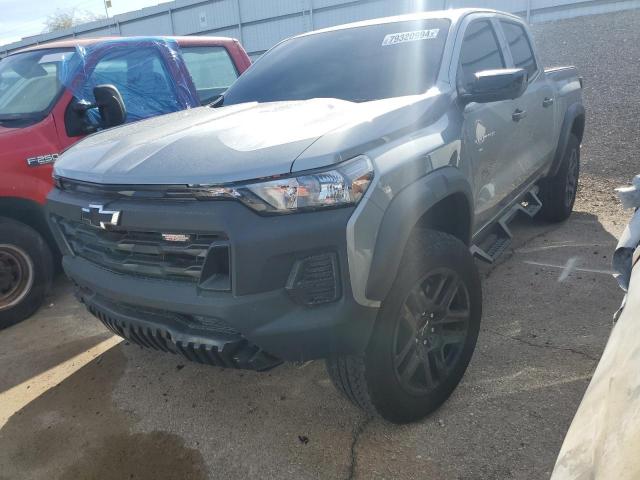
(402, 37)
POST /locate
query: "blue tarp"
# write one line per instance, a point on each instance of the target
(148, 72)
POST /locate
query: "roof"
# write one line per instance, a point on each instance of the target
(183, 41)
(453, 14)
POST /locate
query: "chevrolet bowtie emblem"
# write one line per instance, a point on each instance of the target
(96, 216)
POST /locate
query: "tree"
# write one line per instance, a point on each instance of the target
(63, 19)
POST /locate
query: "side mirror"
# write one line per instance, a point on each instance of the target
(494, 86)
(110, 105)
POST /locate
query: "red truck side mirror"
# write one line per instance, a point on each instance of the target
(110, 105)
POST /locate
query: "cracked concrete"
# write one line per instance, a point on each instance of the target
(546, 345)
(353, 463)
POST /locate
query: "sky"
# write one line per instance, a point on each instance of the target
(23, 18)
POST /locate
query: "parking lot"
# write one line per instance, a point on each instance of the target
(76, 402)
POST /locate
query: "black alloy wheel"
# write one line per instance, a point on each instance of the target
(432, 332)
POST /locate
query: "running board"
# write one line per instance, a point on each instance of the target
(498, 239)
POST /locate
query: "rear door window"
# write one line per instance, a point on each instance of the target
(480, 51)
(211, 69)
(520, 47)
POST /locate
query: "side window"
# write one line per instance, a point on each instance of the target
(211, 69)
(142, 79)
(520, 47)
(480, 51)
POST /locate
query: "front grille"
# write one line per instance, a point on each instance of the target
(138, 192)
(141, 253)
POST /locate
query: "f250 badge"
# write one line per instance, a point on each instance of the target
(482, 134)
(42, 159)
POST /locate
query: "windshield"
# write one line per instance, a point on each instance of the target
(30, 82)
(355, 64)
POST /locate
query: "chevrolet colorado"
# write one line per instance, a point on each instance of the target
(329, 205)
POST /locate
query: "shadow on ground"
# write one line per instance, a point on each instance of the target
(51, 337)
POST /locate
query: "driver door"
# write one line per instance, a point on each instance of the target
(487, 128)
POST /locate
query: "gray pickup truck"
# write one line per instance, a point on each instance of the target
(329, 204)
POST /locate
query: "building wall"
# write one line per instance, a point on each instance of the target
(259, 24)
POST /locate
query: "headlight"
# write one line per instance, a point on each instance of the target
(342, 185)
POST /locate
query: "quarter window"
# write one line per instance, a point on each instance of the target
(480, 51)
(520, 47)
(211, 69)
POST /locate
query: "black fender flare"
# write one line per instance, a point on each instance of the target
(402, 215)
(573, 113)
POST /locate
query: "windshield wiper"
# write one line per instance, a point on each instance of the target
(217, 102)
(18, 119)
(19, 116)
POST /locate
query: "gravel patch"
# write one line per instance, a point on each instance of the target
(605, 50)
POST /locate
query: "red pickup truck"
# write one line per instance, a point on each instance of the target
(49, 99)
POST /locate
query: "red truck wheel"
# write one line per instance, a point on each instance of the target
(26, 268)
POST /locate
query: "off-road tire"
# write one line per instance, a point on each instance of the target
(371, 381)
(558, 193)
(26, 270)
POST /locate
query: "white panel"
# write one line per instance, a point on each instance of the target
(157, 25)
(578, 11)
(209, 16)
(262, 36)
(233, 32)
(329, 3)
(101, 32)
(354, 13)
(554, 3)
(504, 5)
(252, 10)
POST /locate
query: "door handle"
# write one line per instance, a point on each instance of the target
(547, 102)
(518, 115)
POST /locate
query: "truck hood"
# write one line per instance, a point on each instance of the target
(229, 144)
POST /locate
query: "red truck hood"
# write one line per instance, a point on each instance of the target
(6, 131)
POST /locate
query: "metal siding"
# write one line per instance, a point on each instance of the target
(233, 32)
(354, 13)
(156, 25)
(510, 6)
(330, 3)
(220, 14)
(252, 10)
(261, 36)
(265, 22)
(99, 32)
(588, 8)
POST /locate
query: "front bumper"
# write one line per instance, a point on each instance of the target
(255, 324)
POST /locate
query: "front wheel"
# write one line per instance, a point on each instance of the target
(26, 267)
(424, 337)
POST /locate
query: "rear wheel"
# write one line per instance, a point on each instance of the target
(558, 193)
(26, 268)
(424, 337)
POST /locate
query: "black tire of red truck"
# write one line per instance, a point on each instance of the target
(26, 271)
(558, 193)
(425, 333)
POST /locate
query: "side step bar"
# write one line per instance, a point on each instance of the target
(498, 238)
